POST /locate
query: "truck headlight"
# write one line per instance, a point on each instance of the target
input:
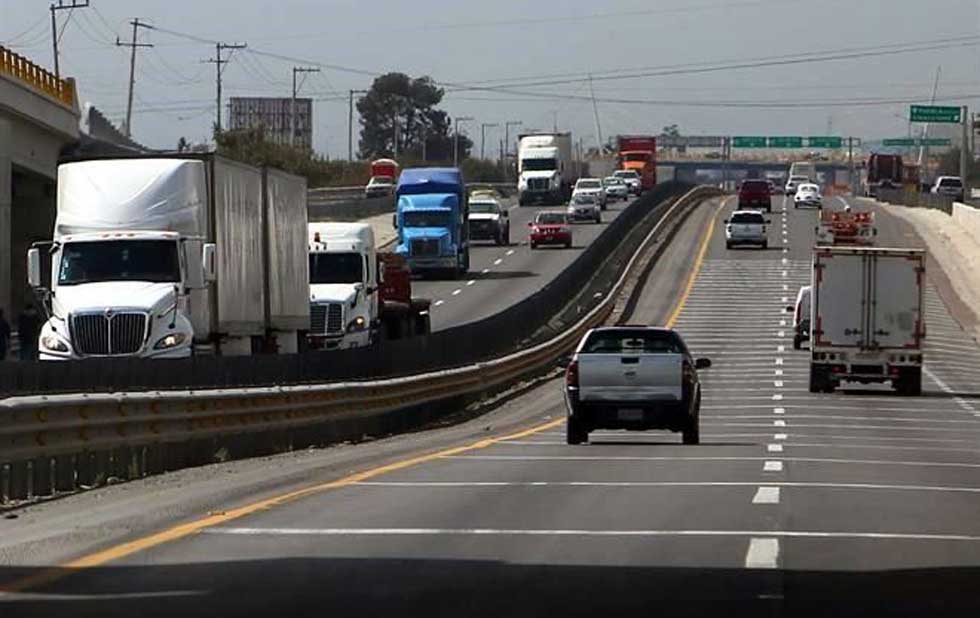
(357, 325)
(170, 341)
(53, 343)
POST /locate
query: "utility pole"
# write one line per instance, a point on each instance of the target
(850, 163)
(483, 136)
(456, 138)
(508, 125)
(595, 110)
(350, 124)
(292, 107)
(219, 63)
(964, 167)
(133, 46)
(63, 5)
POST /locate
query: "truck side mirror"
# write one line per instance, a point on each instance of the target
(209, 262)
(195, 273)
(34, 268)
(394, 221)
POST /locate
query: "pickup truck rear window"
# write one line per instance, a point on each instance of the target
(633, 342)
(755, 185)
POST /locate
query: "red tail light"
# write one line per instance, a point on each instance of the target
(571, 374)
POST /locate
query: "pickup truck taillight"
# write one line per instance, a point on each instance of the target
(571, 374)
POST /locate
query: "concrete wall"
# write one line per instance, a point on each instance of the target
(968, 218)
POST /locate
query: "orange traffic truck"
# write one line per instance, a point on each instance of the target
(639, 153)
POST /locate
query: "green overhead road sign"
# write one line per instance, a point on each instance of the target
(908, 141)
(935, 113)
(826, 142)
(749, 142)
(786, 142)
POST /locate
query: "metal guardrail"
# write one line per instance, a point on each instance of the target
(916, 199)
(37, 77)
(326, 195)
(51, 443)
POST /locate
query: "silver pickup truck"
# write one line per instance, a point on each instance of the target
(633, 378)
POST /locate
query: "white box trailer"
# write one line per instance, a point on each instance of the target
(867, 317)
(546, 168)
(162, 256)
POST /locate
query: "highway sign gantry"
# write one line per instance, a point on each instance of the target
(783, 141)
(749, 142)
(825, 142)
(786, 142)
(908, 141)
(935, 113)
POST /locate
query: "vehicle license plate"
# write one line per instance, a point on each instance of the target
(630, 414)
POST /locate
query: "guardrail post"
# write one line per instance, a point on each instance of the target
(17, 485)
(64, 473)
(5, 483)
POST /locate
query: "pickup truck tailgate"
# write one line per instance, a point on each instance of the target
(630, 377)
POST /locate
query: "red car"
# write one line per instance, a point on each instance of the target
(550, 228)
(755, 194)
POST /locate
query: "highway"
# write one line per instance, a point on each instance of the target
(858, 503)
(503, 276)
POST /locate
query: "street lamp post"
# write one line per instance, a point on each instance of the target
(507, 126)
(456, 138)
(483, 136)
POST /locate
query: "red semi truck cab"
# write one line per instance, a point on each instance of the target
(639, 152)
(386, 167)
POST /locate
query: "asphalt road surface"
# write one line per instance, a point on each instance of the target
(859, 503)
(505, 275)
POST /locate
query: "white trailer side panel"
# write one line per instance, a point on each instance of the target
(840, 293)
(896, 312)
(288, 288)
(237, 220)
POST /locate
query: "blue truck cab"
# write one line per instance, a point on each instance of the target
(431, 216)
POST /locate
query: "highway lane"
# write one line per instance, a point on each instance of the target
(856, 503)
(503, 276)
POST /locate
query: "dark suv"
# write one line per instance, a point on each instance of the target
(755, 194)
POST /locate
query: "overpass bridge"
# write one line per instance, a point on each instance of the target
(715, 170)
(38, 118)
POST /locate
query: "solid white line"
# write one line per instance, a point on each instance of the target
(763, 553)
(635, 458)
(774, 448)
(766, 495)
(586, 533)
(773, 466)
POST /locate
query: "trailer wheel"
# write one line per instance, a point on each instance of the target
(797, 343)
(574, 432)
(817, 380)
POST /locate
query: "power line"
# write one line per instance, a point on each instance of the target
(39, 35)
(62, 5)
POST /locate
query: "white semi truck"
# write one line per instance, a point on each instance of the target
(867, 319)
(358, 295)
(167, 256)
(546, 169)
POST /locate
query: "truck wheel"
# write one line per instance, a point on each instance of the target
(728, 245)
(817, 380)
(797, 343)
(765, 246)
(910, 384)
(533, 246)
(574, 433)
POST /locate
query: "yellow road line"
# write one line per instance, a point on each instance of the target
(181, 531)
(117, 552)
(696, 270)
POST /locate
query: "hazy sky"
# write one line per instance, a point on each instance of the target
(499, 43)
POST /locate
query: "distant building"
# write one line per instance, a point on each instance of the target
(275, 116)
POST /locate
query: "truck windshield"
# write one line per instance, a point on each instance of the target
(484, 208)
(336, 268)
(636, 156)
(119, 260)
(427, 218)
(625, 341)
(540, 165)
(627, 174)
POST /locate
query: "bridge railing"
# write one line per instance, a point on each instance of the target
(37, 77)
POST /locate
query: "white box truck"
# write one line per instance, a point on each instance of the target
(867, 320)
(165, 256)
(546, 170)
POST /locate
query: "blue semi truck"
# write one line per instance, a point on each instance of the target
(432, 221)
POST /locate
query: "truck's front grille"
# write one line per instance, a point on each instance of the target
(425, 247)
(537, 184)
(326, 319)
(117, 334)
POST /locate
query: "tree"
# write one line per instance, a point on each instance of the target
(398, 107)
(671, 130)
(183, 144)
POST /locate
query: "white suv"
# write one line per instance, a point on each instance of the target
(592, 186)
(949, 185)
(746, 227)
